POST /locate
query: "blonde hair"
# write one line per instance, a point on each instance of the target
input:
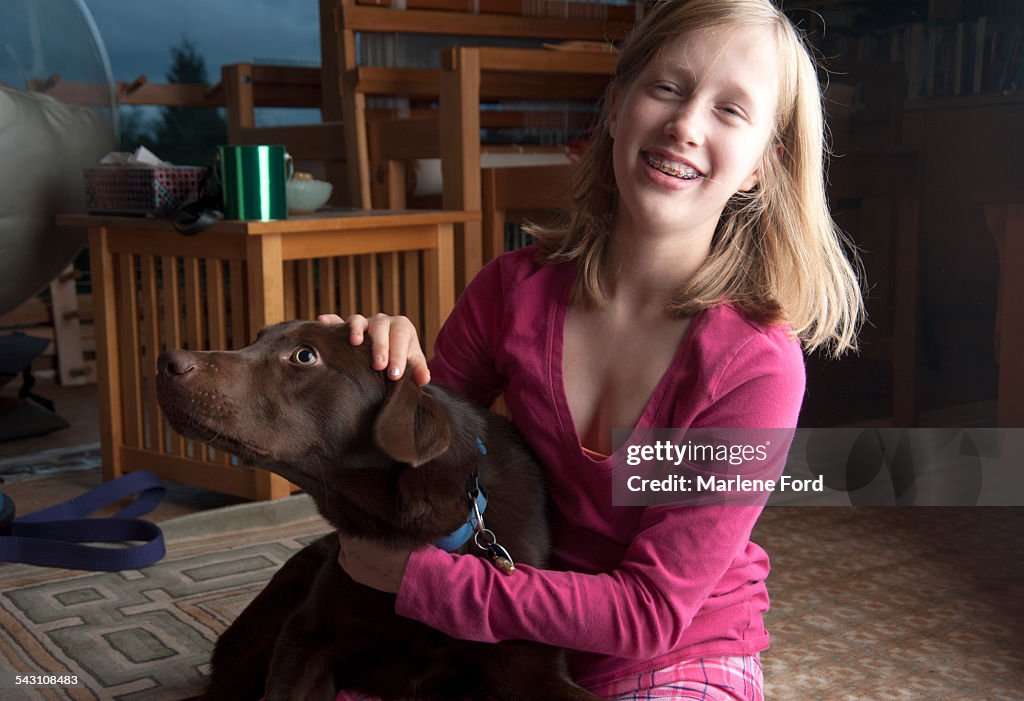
(777, 254)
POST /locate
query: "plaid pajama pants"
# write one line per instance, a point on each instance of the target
(726, 678)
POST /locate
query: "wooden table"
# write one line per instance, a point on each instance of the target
(155, 289)
(1004, 212)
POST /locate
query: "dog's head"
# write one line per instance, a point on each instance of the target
(299, 398)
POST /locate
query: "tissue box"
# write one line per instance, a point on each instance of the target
(157, 191)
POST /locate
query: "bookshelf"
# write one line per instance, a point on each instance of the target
(963, 104)
(949, 48)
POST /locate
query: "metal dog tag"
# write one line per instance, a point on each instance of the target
(501, 559)
(486, 540)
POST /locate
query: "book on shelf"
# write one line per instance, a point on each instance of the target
(948, 48)
(950, 59)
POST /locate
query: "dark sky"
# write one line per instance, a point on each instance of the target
(139, 34)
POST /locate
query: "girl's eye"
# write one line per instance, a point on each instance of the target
(733, 111)
(304, 356)
(666, 88)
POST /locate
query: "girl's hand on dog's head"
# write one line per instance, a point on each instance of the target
(396, 345)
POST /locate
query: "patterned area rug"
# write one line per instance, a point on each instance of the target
(50, 462)
(145, 634)
(868, 604)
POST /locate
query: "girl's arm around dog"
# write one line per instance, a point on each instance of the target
(645, 581)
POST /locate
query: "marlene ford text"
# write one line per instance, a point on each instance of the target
(712, 483)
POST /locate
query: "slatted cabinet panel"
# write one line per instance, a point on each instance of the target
(157, 291)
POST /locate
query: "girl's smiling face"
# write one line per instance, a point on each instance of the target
(691, 130)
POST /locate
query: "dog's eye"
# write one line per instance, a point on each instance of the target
(304, 356)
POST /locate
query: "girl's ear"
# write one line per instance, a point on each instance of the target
(754, 178)
(751, 181)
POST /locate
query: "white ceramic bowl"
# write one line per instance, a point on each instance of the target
(307, 195)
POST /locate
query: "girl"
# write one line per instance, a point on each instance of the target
(699, 254)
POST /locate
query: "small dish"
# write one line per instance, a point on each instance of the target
(307, 195)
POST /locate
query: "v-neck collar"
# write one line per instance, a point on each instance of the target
(556, 352)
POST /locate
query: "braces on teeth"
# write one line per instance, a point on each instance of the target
(670, 170)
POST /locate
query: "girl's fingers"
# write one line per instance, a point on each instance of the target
(357, 324)
(416, 362)
(421, 374)
(404, 347)
(379, 330)
(329, 319)
(395, 343)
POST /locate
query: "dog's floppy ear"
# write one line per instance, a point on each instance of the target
(412, 426)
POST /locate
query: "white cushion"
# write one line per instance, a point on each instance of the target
(45, 143)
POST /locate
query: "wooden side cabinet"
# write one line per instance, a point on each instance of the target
(155, 289)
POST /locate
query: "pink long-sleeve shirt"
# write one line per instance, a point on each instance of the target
(632, 589)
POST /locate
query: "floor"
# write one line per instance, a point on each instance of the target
(885, 604)
(78, 406)
(868, 604)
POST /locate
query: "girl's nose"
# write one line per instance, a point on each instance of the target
(686, 125)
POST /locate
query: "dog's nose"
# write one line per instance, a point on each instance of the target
(174, 363)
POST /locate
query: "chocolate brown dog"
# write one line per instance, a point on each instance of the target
(384, 460)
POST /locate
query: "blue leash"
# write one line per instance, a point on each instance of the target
(54, 537)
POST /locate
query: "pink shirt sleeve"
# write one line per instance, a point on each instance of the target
(678, 556)
(637, 611)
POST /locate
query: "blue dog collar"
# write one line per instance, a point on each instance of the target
(454, 541)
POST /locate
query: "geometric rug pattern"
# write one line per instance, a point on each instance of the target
(868, 604)
(147, 634)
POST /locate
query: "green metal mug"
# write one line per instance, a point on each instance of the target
(253, 181)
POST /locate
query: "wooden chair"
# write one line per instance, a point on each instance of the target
(348, 82)
(534, 193)
(466, 72)
(319, 148)
(470, 77)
